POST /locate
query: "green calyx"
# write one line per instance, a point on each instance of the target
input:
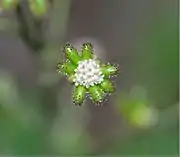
(109, 70)
(66, 68)
(107, 86)
(71, 54)
(97, 94)
(87, 51)
(79, 95)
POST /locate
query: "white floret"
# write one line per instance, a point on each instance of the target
(88, 73)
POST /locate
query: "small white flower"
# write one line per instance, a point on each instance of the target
(88, 73)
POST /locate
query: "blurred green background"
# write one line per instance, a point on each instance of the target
(37, 116)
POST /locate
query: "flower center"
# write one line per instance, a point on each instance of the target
(88, 73)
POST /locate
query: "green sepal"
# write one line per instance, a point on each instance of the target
(66, 68)
(79, 94)
(107, 86)
(9, 4)
(72, 54)
(96, 94)
(109, 70)
(87, 51)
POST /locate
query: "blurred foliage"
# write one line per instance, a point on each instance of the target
(146, 138)
(162, 142)
(39, 7)
(25, 128)
(137, 109)
(9, 4)
(160, 56)
(69, 136)
(159, 75)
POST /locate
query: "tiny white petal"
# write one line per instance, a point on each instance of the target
(88, 73)
(76, 84)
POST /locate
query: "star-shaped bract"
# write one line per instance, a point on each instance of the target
(87, 73)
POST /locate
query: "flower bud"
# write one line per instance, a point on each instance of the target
(38, 7)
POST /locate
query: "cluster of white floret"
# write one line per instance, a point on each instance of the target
(88, 73)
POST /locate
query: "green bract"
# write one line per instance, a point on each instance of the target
(88, 74)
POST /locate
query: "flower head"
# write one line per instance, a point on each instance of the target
(88, 74)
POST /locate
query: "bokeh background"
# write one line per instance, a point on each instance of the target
(37, 116)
